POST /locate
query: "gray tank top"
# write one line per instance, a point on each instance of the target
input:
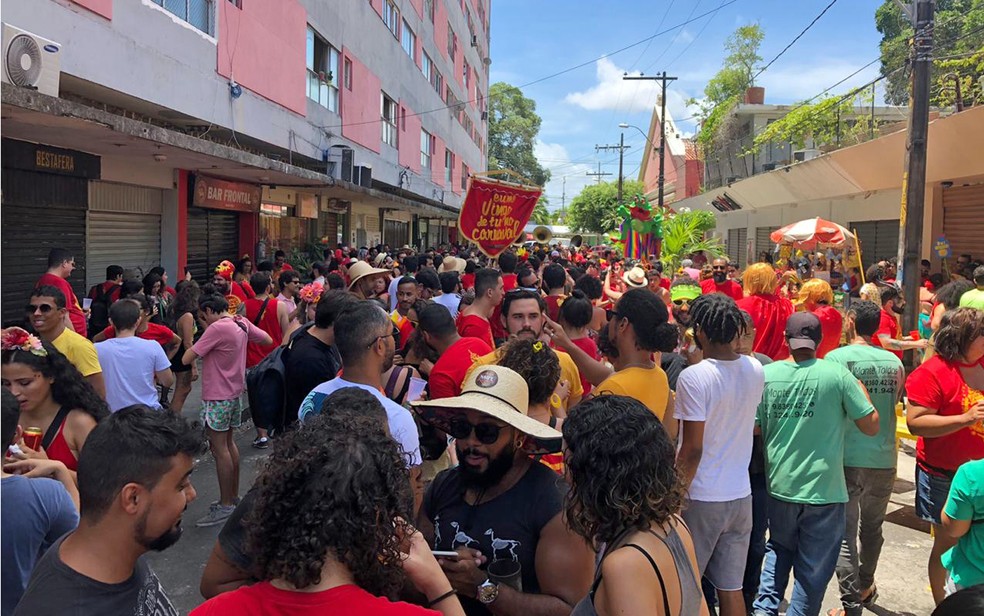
(690, 593)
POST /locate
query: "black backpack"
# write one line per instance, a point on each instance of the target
(266, 385)
(99, 310)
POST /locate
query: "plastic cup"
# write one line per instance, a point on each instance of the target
(508, 572)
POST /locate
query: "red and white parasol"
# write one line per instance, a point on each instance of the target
(812, 233)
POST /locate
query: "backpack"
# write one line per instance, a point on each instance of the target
(99, 310)
(266, 385)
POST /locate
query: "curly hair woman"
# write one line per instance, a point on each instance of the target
(624, 497)
(946, 410)
(769, 311)
(52, 394)
(184, 323)
(327, 531)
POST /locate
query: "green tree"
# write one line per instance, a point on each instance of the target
(541, 215)
(726, 88)
(594, 209)
(513, 127)
(683, 234)
(957, 31)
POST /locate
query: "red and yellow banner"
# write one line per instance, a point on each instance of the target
(494, 213)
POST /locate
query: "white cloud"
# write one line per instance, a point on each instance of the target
(554, 156)
(685, 36)
(613, 92)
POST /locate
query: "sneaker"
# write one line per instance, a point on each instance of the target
(261, 442)
(217, 514)
(235, 502)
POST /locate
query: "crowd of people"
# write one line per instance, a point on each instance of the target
(556, 430)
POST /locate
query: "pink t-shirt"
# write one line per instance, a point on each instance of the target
(223, 351)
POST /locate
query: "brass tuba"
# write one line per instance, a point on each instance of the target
(542, 235)
(576, 241)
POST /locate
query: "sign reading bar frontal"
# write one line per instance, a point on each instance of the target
(494, 213)
(222, 195)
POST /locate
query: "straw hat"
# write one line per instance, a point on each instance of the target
(362, 269)
(452, 264)
(497, 392)
(379, 259)
(635, 277)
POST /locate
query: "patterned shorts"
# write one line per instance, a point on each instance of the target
(221, 415)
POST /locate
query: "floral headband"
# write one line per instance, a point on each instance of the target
(311, 292)
(17, 339)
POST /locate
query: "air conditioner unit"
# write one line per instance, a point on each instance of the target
(485, 115)
(804, 155)
(340, 161)
(769, 167)
(30, 61)
(474, 40)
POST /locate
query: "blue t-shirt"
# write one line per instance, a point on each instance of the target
(129, 365)
(401, 424)
(34, 513)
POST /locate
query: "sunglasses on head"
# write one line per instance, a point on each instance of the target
(44, 308)
(680, 302)
(486, 433)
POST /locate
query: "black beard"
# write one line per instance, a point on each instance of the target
(605, 345)
(157, 544)
(681, 317)
(497, 469)
(898, 309)
(719, 277)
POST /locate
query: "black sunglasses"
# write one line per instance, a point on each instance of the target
(44, 308)
(486, 433)
(611, 314)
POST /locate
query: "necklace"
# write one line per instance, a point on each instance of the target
(648, 365)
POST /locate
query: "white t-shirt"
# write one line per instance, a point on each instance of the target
(401, 424)
(725, 396)
(128, 366)
(451, 301)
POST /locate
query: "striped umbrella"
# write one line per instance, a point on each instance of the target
(812, 233)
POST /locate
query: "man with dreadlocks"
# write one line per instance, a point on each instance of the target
(716, 400)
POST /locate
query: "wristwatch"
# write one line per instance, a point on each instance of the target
(488, 591)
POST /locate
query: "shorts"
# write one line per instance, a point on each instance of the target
(931, 492)
(721, 532)
(222, 415)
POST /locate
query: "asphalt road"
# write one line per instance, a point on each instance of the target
(903, 587)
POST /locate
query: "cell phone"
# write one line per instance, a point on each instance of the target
(445, 554)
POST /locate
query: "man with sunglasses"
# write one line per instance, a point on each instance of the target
(366, 341)
(719, 281)
(499, 509)
(61, 264)
(683, 292)
(46, 314)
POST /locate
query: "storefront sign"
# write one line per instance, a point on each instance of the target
(47, 159)
(494, 213)
(223, 195)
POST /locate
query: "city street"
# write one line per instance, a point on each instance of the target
(903, 560)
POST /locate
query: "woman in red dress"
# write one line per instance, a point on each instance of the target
(817, 297)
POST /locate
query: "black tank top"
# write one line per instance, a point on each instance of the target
(506, 527)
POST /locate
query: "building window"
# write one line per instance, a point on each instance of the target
(466, 75)
(409, 41)
(388, 113)
(464, 176)
(437, 81)
(391, 17)
(236, 3)
(347, 75)
(425, 66)
(452, 43)
(426, 149)
(448, 165)
(429, 9)
(322, 71)
(198, 13)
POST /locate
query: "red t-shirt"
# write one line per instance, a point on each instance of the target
(937, 384)
(831, 325)
(474, 326)
(242, 290)
(467, 281)
(405, 326)
(553, 306)
(589, 346)
(889, 326)
(769, 313)
(498, 329)
(665, 283)
(450, 369)
(158, 333)
(729, 287)
(71, 302)
(263, 599)
(270, 323)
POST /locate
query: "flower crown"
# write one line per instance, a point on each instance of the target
(311, 292)
(17, 339)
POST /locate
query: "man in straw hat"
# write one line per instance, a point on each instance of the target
(363, 279)
(498, 509)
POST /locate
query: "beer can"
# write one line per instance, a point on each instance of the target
(32, 438)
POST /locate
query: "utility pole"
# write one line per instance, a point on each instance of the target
(920, 12)
(621, 155)
(599, 174)
(662, 78)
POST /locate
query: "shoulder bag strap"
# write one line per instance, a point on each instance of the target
(259, 315)
(55, 426)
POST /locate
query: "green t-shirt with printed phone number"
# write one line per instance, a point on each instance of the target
(803, 416)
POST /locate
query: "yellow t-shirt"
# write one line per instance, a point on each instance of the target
(79, 351)
(568, 371)
(647, 385)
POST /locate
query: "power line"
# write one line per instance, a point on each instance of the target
(793, 42)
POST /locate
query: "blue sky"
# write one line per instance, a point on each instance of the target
(532, 39)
